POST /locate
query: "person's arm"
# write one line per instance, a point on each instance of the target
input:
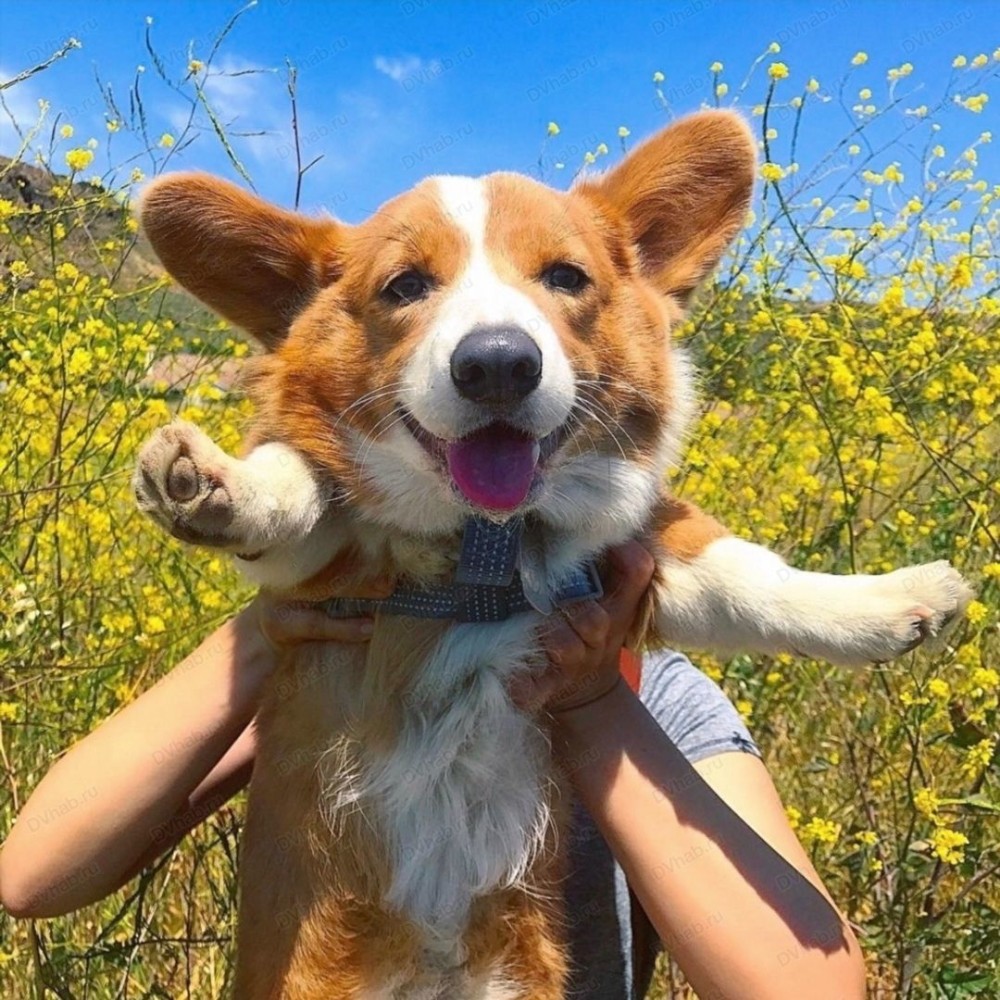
(709, 853)
(136, 784)
(706, 848)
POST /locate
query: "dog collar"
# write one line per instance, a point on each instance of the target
(497, 576)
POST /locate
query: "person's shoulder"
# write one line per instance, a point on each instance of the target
(691, 708)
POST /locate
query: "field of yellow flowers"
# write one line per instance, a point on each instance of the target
(851, 375)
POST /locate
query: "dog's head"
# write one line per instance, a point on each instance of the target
(477, 344)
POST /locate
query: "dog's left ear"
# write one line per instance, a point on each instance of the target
(254, 263)
(683, 196)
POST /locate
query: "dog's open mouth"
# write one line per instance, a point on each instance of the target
(494, 467)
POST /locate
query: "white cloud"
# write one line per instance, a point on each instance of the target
(406, 67)
(238, 89)
(246, 97)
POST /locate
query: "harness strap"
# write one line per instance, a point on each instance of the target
(488, 586)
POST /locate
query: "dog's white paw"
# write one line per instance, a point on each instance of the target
(892, 614)
(922, 601)
(189, 485)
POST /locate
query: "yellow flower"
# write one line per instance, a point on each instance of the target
(949, 845)
(867, 838)
(589, 157)
(860, 58)
(552, 129)
(166, 140)
(774, 48)
(976, 612)
(66, 131)
(112, 125)
(80, 362)
(777, 71)
(820, 831)
(853, 149)
(981, 60)
(155, 625)
(959, 61)
(79, 159)
(623, 132)
(658, 77)
(721, 89)
(195, 66)
(716, 67)
(771, 172)
(602, 149)
(19, 270)
(979, 757)
(939, 688)
(926, 802)
(984, 679)
(8, 711)
(813, 85)
(975, 104)
(794, 816)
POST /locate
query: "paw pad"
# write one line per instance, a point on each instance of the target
(180, 480)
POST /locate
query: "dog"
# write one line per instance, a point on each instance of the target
(471, 395)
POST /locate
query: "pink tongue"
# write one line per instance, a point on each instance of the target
(494, 467)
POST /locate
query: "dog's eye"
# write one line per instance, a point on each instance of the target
(410, 286)
(565, 278)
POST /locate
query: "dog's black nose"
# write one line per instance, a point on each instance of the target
(496, 364)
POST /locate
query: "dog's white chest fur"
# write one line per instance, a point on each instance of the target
(461, 797)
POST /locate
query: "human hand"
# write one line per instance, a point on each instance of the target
(584, 641)
(286, 623)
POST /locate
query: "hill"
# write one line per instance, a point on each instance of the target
(51, 219)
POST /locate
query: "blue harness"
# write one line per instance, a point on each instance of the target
(493, 581)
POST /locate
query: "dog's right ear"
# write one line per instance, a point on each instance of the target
(254, 263)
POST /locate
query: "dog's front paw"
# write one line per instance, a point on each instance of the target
(185, 482)
(883, 617)
(921, 602)
(856, 620)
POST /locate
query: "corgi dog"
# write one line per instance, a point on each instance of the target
(468, 397)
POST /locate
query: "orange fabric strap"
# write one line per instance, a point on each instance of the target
(631, 667)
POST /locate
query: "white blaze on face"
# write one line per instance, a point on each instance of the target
(480, 298)
(588, 501)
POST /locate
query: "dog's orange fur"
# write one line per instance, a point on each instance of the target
(311, 921)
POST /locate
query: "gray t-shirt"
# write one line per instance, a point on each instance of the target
(604, 931)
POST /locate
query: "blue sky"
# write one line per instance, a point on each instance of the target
(393, 90)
